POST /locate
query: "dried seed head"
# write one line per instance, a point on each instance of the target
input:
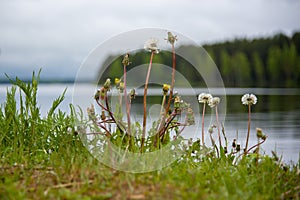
(172, 38)
(249, 99)
(132, 94)
(103, 117)
(259, 132)
(107, 84)
(91, 112)
(225, 150)
(190, 116)
(214, 102)
(151, 45)
(121, 87)
(234, 143)
(238, 147)
(204, 98)
(125, 60)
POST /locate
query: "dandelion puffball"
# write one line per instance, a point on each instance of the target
(249, 99)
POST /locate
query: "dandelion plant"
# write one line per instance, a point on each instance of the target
(248, 100)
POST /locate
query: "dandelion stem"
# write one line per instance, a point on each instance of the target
(248, 133)
(126, 103)
(162, 114)
(203, 124)
(218, 126)
(162, 105)
(258, 144)
(173, 79)
(161, 119)
(145, 101)
(161, 127)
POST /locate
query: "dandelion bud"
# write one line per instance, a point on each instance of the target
(91, 112)
(103, 92)
(225, 150)
(177, 102)
(190, 141)
(171, 38)
(234, 143)
(107, 84)
(117, 81)
(132, 94)
(259, 133)
(103, 115)
(211, 129)
(274, 155)
(125, 60)
(190, 116)
(238, 147)
(166, 88)
(97, 95)
(121, 87)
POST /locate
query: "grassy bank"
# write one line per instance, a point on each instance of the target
(43, 158)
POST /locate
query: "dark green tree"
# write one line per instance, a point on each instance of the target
(259, 69)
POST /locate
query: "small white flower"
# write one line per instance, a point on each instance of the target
(214, 101)
(151, 45)
(249, 99)
(204, 97)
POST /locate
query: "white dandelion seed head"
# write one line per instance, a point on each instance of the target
(214, 102)
(204, 97)
(249, 99)
(152, 45)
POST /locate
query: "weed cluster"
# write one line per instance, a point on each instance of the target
(43, 158)
(109, 129)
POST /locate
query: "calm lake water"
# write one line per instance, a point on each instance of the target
(277, 112)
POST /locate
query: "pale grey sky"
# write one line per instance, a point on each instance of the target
(58, 35)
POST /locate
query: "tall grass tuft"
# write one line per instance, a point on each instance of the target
(26, 136)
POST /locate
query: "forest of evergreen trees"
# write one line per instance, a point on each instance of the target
(260, 62)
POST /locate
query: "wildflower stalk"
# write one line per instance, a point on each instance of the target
(248, 133)
(224, 135)
(161, 120)
(249, 100)
(165, 89)
(256, 145)
(218, 126)
(168, 121)
(162, 104)
(204, 98)
(145, 101)
(202, 123)
(126, 102)
(125, 63)
(173, 79)
(171, 39)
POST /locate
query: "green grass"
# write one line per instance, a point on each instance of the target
(43, 158)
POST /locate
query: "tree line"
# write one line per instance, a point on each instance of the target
(260, 62)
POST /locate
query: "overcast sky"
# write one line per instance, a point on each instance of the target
(58, 35)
